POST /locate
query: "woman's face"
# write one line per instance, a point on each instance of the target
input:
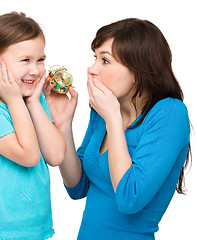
(26, 61)
(111, 73)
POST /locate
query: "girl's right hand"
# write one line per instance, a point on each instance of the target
(61, 107)
(9, 89)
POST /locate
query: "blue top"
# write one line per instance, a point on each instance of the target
(25, 205)
(158, 148)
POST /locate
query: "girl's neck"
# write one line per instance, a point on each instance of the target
(1, 100)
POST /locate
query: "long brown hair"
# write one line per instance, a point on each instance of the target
(16, 27)
(141, 47)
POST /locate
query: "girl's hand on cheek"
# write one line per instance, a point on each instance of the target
(102, 100)
(37, 90)
(9, 89)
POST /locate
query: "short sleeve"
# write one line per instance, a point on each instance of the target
(6, 126)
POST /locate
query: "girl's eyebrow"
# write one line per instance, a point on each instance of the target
(44, 56)
(27, 56)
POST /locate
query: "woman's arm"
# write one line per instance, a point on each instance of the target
(71, 169)
(62, 111)
(107, 106)
(21, 146)
(158, 157)
(118, 154)
(51, 141)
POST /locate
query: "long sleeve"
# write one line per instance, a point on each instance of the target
(163, 144)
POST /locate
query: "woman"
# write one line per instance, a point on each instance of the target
(134, 151)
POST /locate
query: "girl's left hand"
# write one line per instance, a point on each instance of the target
(102, 100)
(37, 91)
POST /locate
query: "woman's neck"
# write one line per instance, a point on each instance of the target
(130, 111)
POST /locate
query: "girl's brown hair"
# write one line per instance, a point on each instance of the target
(16, 27)
(141, 47)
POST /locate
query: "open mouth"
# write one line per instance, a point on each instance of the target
(28, 81)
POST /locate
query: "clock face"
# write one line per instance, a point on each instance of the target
(63, 78)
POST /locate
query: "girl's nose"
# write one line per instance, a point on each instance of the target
(33, 70)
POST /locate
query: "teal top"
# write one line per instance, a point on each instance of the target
(158, 148)
(25, 205)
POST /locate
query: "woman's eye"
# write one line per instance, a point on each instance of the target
(105, 61)
(95, 57)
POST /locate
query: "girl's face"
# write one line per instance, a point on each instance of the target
(111, 73)
(26, 61)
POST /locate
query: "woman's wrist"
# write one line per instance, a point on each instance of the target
(65, 128)
(114, 121)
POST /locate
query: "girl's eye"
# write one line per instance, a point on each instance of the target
(25, 60)
(41, 60)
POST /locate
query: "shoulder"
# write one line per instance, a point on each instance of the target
(168, 115)
(173, 102)
(169, 108)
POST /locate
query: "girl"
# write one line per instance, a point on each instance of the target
(28, 138)
(135, 149)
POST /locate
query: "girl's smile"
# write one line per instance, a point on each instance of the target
(26, 61)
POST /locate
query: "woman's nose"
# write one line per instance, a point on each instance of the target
(93, 70)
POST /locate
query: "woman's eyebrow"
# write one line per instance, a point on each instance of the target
(105, 52)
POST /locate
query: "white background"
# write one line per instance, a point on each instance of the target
(70, 26)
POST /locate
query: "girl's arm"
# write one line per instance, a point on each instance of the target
(62, 111)
(51, 141)
(21, 146)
